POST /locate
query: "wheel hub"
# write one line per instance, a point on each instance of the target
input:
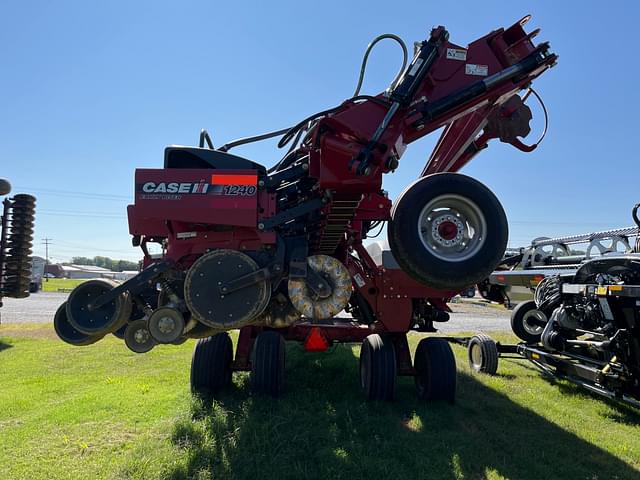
(447, 230)
(166, 325)
(141, 335)
(452, 227)
(531, 319)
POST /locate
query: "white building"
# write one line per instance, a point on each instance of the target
(86, 272)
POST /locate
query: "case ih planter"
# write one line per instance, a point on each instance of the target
(278, 252)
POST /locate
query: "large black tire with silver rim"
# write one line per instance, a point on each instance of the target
(435, 368)
(527, 322)
(483, 354)
(67, 333)
(97, 321)
(448, 231)
(378, 370)
(267, 364)
(211, 365)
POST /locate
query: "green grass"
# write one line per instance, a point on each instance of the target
(60, 284)
(102, 412)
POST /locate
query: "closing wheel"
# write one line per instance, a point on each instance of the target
(378, 369)
(448, 231)
(211, 365)
(137, 337)
(166, 325)
(527, 322)
(483, 354)
(267, 364)
(435, 368)
(98, 321)
(67, 333)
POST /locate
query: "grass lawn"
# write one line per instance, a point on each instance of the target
(101, 412)
(60, 284)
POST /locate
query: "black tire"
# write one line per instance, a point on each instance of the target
(520, 321)
(99, 321)
(435, 368)
(443, 270)
(211, 365)
(67, 333)
(267, 364)
(5, 187)
(482, 352)
(378, 369)
(137, 337)
(34, 287)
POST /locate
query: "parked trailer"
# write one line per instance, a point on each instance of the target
(483, 355)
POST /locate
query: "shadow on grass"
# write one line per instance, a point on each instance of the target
(322, 428)
(4, 346)
(619, 412)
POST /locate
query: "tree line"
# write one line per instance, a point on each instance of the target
(104, 262)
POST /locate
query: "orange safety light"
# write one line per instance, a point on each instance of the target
(315, 341)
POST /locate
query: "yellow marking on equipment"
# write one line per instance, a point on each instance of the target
(601, 291)
(535, 355)
(615, 288)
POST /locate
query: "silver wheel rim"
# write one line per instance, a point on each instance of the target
(476, 355)
(452, 228)
(532, 328)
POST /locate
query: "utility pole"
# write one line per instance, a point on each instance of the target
(46, 242)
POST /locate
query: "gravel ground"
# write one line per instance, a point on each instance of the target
(37, 308)
(467, 316)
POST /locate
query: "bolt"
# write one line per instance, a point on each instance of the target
(261, 226)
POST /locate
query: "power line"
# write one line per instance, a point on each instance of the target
(72, 193)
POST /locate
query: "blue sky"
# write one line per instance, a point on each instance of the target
(91, 90)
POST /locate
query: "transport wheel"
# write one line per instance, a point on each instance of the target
(211, 365)
(378, 369)
(483, 354)
(525, 320)
(137, 337)
(435, 368)
(447, 231)
(67, 333)
(267, 364)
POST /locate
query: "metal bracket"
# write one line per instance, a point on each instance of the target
(291, 213)
(133, 285)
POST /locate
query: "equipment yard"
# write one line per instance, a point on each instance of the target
(335, 279)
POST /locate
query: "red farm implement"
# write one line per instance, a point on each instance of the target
(278, 253)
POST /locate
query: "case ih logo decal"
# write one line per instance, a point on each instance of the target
(175, 187)
(232, 185)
